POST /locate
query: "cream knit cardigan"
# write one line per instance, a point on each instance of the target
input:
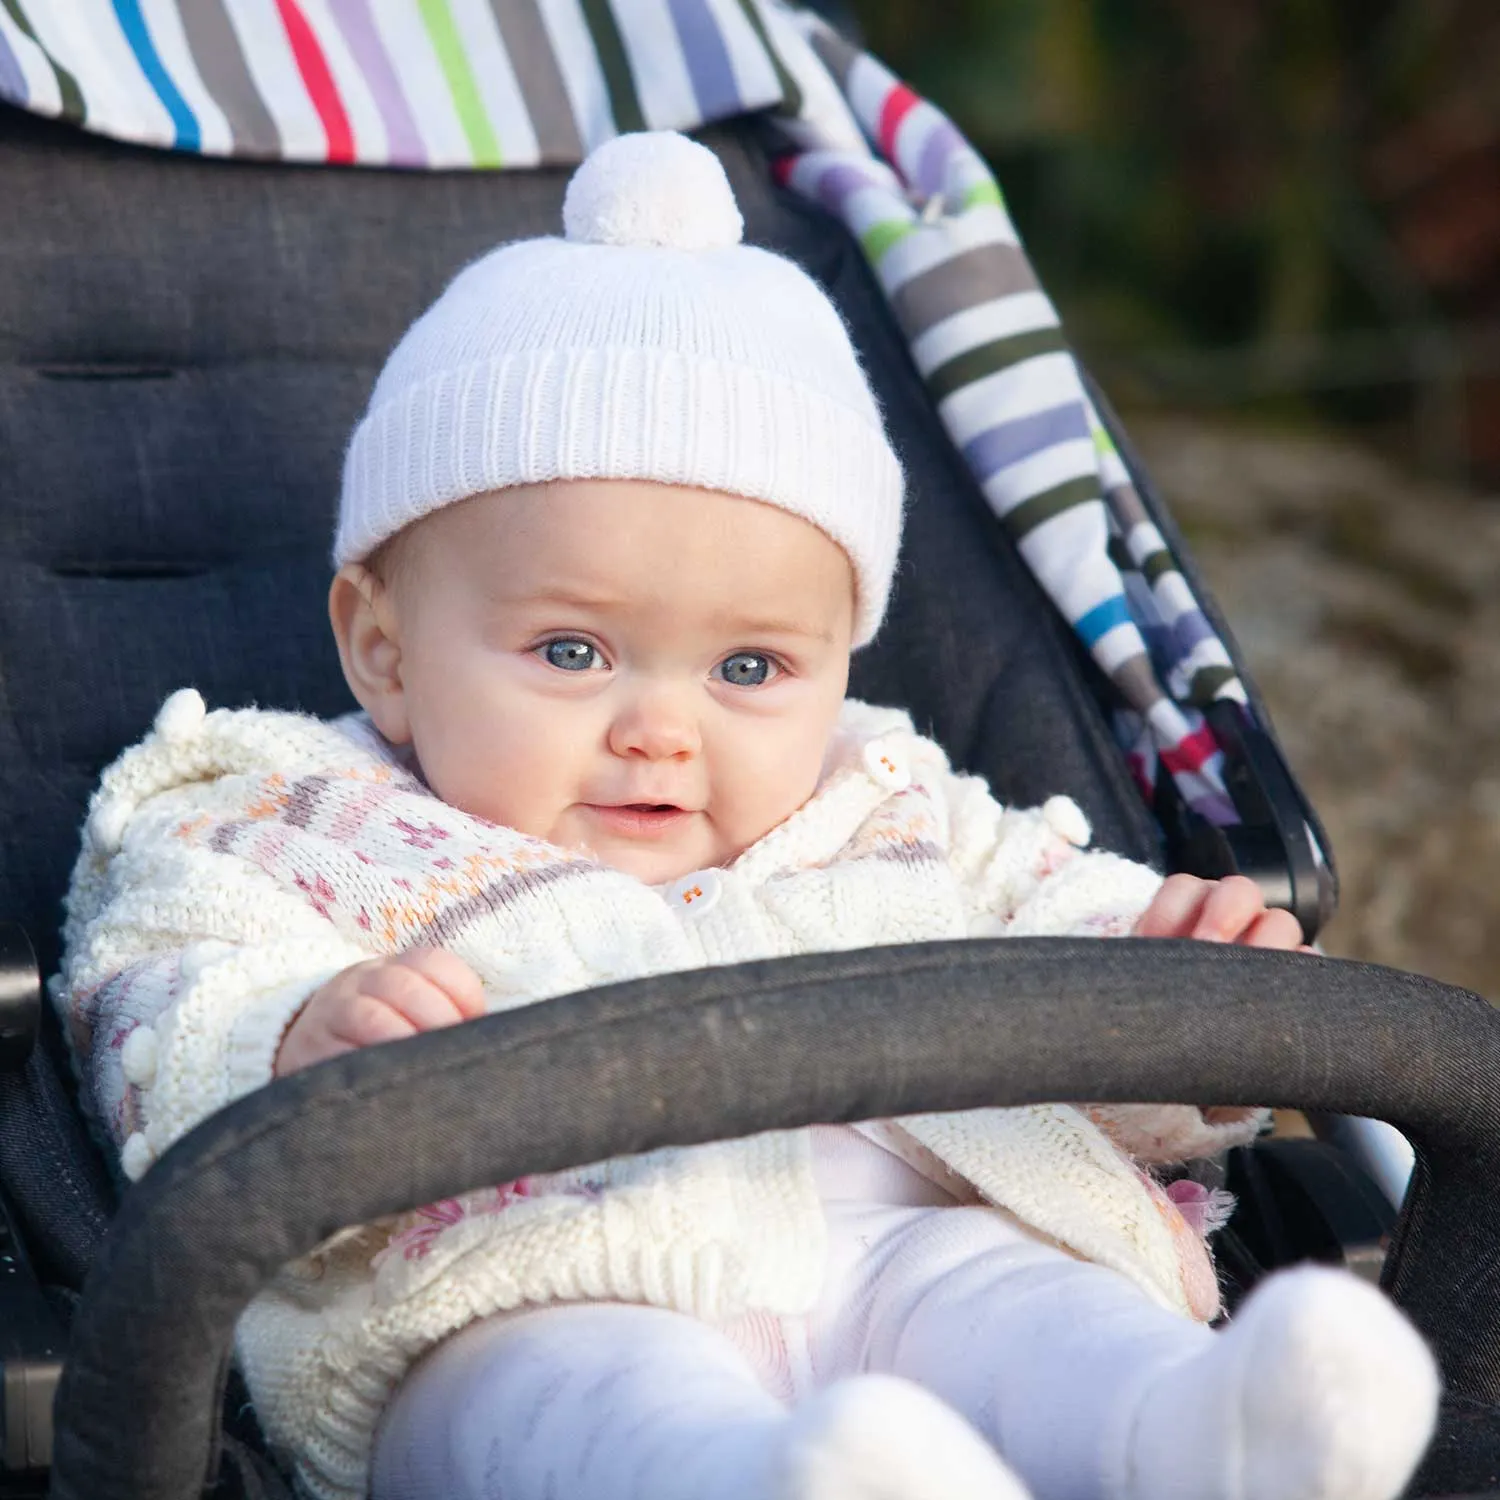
(234, 861)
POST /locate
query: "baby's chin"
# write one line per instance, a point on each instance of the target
(661, 862)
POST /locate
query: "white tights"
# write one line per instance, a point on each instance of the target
(945, 1336)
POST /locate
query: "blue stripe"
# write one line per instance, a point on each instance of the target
(133, 24)
(707, 59)
(12, 79)
(999, 447)
(1103, 618)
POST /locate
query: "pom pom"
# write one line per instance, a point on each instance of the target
(181, 716)
(197, 958)
(106, 825)
(1065, 818)
(138, 1057)
(652, 188)
(136, 1156)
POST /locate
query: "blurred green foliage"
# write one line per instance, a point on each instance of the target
(1268, 175)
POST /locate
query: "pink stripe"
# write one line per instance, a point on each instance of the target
(897, 105)
(319, 82)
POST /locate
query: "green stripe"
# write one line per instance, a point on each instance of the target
(984, 194)
(1030, 514)
(791, 95)
(448, 45)
(879, 238)
(974, 364)
(624, 103)
(1119, 554)
(1157, 564)
(73, 107)
(1104, 444)
(1206, 683)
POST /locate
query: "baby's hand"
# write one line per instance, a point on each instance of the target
(1231, 910)
(381, 1000)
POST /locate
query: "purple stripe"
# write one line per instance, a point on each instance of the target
(707, 59)
(938, 150)
(1188, 629)
(405, 144)
(1214, 806)
(837, 182)
(12, 79)
(999, 447)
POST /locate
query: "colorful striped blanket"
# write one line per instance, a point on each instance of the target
(517, 83)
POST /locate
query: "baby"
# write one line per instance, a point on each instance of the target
(619, 511)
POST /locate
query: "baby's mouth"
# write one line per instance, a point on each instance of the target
(639, 819)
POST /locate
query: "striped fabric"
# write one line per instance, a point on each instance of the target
(986, 338)
(407, 83)
(516, 83)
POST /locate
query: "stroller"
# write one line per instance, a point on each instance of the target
(182, 340)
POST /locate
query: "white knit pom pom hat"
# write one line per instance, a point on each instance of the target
(648, 344)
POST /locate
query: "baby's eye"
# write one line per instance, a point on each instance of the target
(572, 655)
(746, 669)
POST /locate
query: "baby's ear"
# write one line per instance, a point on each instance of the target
(365, 625)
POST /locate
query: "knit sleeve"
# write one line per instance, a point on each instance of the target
(1029, 872)
(182, 970)
(1158, 1135)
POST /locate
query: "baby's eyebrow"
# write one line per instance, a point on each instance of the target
(743, 626)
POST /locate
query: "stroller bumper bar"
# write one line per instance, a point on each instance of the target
(727, 1052)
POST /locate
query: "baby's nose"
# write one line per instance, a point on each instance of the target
(657, 725)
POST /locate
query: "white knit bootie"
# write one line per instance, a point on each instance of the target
(1318, 1390)
(874, 1437)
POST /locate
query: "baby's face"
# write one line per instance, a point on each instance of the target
(648, 672)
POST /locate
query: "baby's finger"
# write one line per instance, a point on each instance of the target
(367, 1021)
(1233, 904)
(1275, 929)
(451, 975)
(413, 996)
(1175, 907)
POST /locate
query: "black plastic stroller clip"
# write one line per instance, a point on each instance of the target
(1272, 844)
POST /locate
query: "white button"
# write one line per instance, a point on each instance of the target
(887, 765)
(696, 893)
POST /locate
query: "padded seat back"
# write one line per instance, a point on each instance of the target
(185, 345)
(184, 348)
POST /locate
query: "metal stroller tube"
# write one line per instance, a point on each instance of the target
(726, 1052)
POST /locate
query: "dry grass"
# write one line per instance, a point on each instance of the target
(1368, 605)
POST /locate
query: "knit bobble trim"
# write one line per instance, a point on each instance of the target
(138, 1057)
(1065, 818)
(181, 716)
(106, 824)
(136, 1156)
(653, 188)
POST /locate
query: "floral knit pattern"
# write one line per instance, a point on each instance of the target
(235, 861)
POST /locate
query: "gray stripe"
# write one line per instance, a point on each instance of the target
(922, 852)
(221, 65)
(837, 55)
(980, 275)
(534, 63)
(1127, 506)
(448, 924)
(303, 799)
(1135, 678)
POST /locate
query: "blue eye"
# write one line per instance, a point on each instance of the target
(572, 655)
(746, 669)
